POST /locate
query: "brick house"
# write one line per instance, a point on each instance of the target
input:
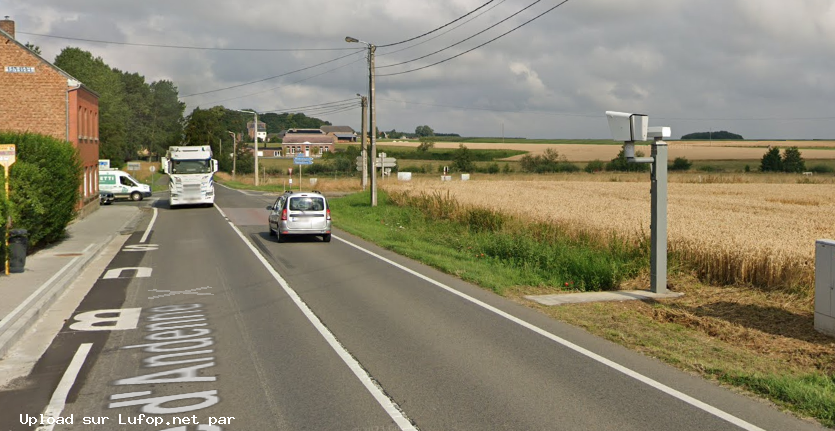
(342, 133)
(307, 141)
(39, 97)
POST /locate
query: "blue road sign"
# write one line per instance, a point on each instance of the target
(303, 160)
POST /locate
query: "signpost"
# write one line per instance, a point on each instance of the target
(8, 156)
(382, 162)
(301, 161)
(133, 166)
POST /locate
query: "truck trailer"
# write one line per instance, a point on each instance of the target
(190, 172)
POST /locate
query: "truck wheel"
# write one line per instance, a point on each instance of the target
(136, 196)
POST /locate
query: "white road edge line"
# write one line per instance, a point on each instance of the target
(609, 363)
(59, 397)
(388, 405)
(150, 226)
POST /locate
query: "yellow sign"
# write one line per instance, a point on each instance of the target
(7, 155)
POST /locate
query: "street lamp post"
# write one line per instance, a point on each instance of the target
(372, 126)
(234, 151)
(255, 136)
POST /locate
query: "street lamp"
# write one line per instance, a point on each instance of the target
(254, 135)
(372, 129)
(234, 151)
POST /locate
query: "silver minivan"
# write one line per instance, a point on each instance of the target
(305, 213)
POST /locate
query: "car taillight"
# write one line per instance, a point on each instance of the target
(328, 214)
(284, 214)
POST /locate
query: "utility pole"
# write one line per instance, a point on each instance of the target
(363, 147)
(373, 125)
(255, 136)
(371, 50)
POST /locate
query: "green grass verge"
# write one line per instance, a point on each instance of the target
(487, 248)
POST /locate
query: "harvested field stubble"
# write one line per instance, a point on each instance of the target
(756, 234)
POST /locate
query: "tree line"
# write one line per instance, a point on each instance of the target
(134, 115)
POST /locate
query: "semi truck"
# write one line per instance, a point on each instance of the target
(190, 172)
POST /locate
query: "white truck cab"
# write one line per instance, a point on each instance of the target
(122, 185)
(190, 171)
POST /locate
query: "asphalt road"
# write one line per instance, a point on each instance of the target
(220, 322)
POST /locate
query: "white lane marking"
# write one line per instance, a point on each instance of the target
(59, 397)
(150, 225)
(36, 294)
(388, 404)
(609, 363)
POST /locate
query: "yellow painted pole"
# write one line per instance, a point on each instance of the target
(9, 219)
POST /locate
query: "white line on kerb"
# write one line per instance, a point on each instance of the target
(150, 225)
(59, 397)
(388, 405)
(609, 363)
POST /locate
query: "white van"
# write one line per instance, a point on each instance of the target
(122, 185)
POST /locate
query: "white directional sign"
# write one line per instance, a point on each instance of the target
(382, 162)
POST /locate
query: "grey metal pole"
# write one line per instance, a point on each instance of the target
(255, 135)
(658, 235)
(234, 151)
(371, 49)
(363, 146)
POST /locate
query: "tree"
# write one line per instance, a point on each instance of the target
(113, 112)
(771, 161)
(138, 99)
(681, 164)
(422, 131)
(793, 161)
(462, 159)
(34, 48)
(620, 163)
(166, 128)
(722, 134)
(426, 143)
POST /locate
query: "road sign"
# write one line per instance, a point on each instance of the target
(386, 162)
(133, 166)
(7, 155)
(303, 160)
(153, 168)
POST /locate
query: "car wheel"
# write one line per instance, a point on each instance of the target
(270, 229)
(281, 238)
(326, 237)
(136, 196)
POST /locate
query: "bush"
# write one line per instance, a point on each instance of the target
(595, 166)
(550, 161)
(45, 186)
(619, 163)
(822, 169)
(681, 164)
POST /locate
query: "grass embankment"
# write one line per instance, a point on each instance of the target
(761, 341)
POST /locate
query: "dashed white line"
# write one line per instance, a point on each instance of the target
(150, 226)
(59, 397)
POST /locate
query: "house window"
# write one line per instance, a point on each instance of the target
(292, 150)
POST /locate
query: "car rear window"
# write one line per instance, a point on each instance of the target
(307, 204)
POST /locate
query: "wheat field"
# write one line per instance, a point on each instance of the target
(758, 234)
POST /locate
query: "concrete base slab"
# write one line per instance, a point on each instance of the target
(619, 295)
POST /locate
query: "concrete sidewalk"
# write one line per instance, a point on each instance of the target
(25, 296)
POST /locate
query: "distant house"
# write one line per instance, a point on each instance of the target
(342, 133)
(262, 130)
(307, 141)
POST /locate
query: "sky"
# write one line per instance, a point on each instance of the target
(764, 69)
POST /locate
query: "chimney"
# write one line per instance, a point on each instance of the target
(7, 25)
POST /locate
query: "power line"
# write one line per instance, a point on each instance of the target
(479, 46)
(441, 34)
(464, 40)
(287, 85)
(274, 77)
(200, 48)
(432, 31)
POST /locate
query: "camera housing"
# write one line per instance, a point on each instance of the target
(627, 127)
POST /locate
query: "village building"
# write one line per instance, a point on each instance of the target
(39, 97)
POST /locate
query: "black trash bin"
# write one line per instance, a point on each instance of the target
(18, 244)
